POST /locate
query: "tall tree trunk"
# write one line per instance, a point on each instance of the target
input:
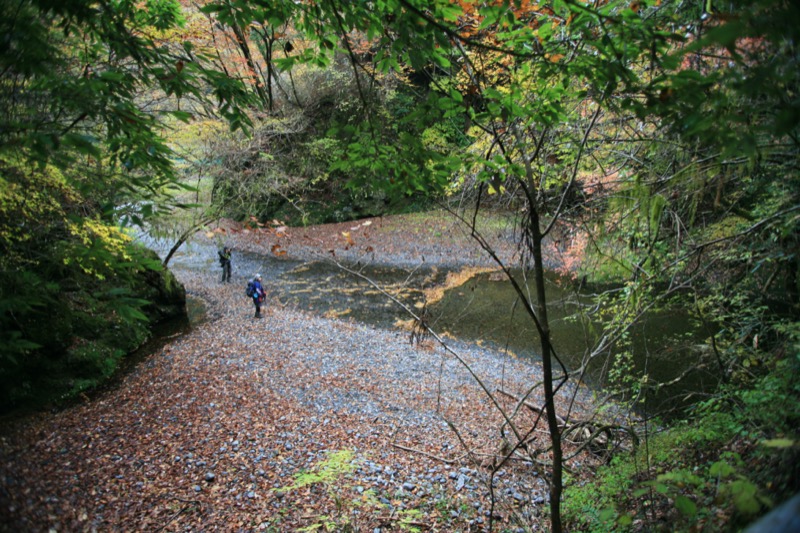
(556, 484)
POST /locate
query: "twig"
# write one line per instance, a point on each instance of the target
(608, 431)
(530, 406)
(392, 518)
(426, 454)
(180, 511)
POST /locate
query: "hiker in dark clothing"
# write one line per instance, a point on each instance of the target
(258, 294)
(225, 263)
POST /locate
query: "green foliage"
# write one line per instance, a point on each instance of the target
(338, 464)
(758, 406)
(82, 149)
(92, 324)
(322, 164)
(686, 467)
(161, 14)
(330, 474)
(80, 276)
(698, 495)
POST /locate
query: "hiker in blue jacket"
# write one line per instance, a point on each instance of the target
(258, 294)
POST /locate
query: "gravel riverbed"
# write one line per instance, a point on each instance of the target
(288, 422)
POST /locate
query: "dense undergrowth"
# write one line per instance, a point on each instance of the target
(74, 338)
(730, 460)
(77, 294)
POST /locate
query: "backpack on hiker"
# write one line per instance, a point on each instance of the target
(250, 291)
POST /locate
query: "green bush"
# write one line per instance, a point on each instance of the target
(723, 467)
(68, 334)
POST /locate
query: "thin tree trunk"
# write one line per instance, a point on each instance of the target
(245, 48)
(556, 484)
(185, 235)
